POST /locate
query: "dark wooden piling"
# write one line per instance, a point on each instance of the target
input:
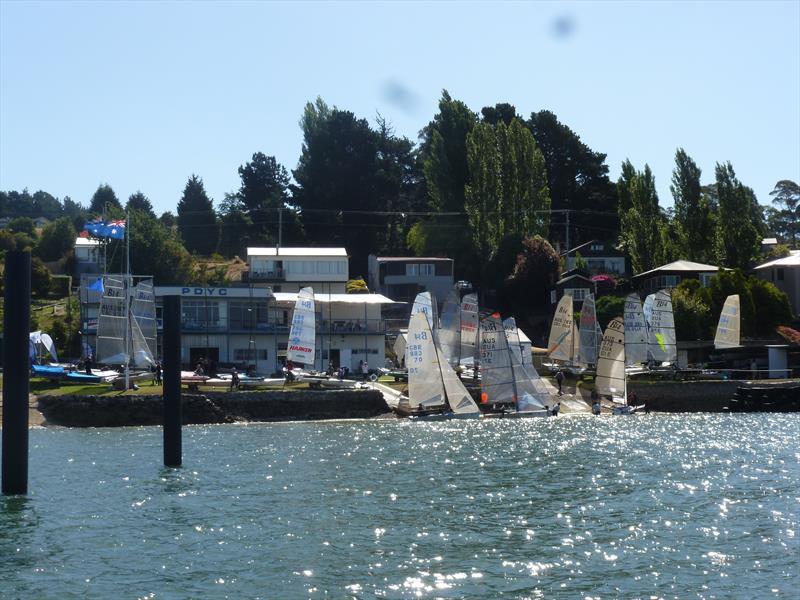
(16, 372)
(172, 382)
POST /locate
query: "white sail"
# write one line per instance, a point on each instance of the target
(728, 328)
(426, 304)
(425, 386)
(635, 331)
(661, 343)
(531, 392)
(647, 308)
(497, 377)
(450, 329)
(112, 322)
(469, 329)
(301, 348)
(588, 331)
(610, 379)
(559, 346)
(512, 337)
(143, 324)
(458, 398)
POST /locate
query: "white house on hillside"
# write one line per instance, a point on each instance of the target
(289, 269)
(785, 274)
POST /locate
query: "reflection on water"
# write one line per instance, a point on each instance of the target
(671, 506)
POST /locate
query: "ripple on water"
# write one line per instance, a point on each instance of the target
(658, 506)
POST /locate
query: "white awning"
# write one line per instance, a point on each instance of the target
(291, 297)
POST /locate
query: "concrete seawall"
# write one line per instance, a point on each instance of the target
(213, 407)
(685, 396)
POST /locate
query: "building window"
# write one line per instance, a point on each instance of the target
(780, 275)
(705, 278)
(199, 313)
(669, 281)
(576, 293)
(596, 247)
(421, 270)
(240, 354)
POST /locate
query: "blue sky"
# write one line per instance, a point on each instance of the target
(140, 95)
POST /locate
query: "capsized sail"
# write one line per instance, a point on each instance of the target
(301, 348)
(661, 342)
(112, 322)
(497, 377)
(425, 386)
(469, 329)
(588, 331)
(143, 324)
(728, 328)
(559, 346)
(450, 329)
(610, 380)
(635, 330)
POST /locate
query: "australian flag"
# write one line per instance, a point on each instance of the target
(113, 229)
(116, 230)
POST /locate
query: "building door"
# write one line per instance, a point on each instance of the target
(344, 353)
(334, 358)
(209, 354)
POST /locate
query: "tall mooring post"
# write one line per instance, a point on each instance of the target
(16, 372)
(172, 381)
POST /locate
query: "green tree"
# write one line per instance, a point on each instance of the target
(168, 220)
(693, 319)
(398, 186)
(356, 286)
(40, 278)
(740, 228)
(22, 225)
(336, 182)
(139, 201)
(694, 217)
(786, 197)
(197, 221)
(535, 272)
(45, 205)
(57, 240)
(443, 152)
(577, 179)
(607, 308)
(264, 191)
(155, 251)
(235, 227)
(105, 201)
(641, 225)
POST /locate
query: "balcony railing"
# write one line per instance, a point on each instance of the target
(323, 327)
(273, 275)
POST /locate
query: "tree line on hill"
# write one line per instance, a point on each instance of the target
(493, 189)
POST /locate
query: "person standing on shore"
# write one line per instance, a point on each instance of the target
(234, 379)
(560, 380)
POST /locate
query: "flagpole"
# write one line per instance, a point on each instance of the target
(127, 298)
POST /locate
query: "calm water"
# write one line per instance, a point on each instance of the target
(686, 506)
